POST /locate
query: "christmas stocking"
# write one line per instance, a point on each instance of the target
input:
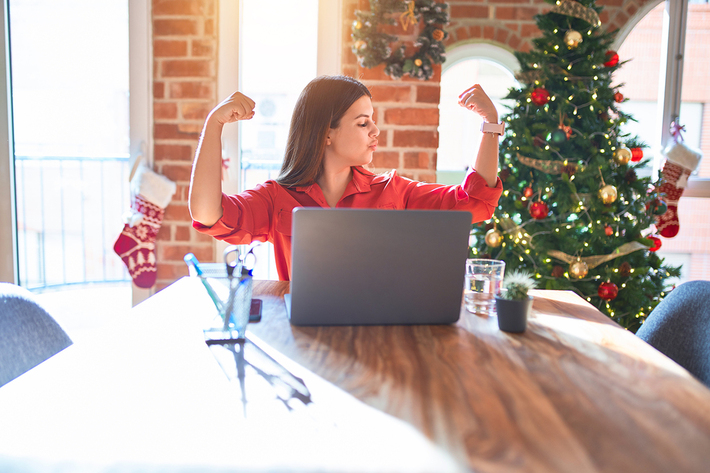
(136, 245)
(680, 162)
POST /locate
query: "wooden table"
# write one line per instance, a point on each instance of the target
(573, 393)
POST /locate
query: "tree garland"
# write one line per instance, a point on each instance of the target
(372, 47)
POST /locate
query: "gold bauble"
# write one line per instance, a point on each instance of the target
(418, 62)
(573, 38)
(622, 155)
(357, 24)
(493, 238)
(578, 269)
(608, 194)
(360, 44)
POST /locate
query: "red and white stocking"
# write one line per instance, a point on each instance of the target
(681, 162)
(136, 243)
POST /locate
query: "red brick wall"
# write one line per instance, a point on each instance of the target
(184, 91)
(185, 67)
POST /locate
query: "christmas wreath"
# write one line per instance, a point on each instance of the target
(373, 47)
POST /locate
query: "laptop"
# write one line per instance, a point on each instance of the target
(377, 267)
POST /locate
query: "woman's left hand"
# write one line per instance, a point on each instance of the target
(476, 100)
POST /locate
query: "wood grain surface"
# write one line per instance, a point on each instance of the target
(575, 392)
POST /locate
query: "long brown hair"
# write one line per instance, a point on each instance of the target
(320, 107)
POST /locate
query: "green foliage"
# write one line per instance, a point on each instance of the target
(517, 284)
(373, 46)
(581, 97)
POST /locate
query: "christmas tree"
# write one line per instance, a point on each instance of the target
(574, 211)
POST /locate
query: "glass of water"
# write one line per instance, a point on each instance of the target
(484, 279)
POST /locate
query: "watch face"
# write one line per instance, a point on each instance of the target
(493, 128)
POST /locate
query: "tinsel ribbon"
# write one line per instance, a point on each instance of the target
(594, 261)
(577, 10)
(408, 17)
(546, 166)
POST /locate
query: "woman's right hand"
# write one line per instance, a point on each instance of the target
(235, 107)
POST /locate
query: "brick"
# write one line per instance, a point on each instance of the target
(187, 68)
(469, 11)
(164, 110)
(416, 160)
(168, 131)
(191, 90)
(203, 48)
(488, 32)
(529, 30)
(164, 232)
(515, 13)
(179, 7)
(169, 48)
(415, 139)
(391, 93)
(158, 90)
(173, 152)
(176, 252)
(171, 271)
(428, 94)
(210, 27)
(176, 172)
(412, 116)
(386, 159)
(176, 27)
(501, 35)
(177, 212)
(514, 42)
(427, 177)
(193, 110)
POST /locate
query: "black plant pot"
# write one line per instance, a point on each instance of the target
(513, 314)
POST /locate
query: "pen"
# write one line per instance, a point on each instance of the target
(191, 260)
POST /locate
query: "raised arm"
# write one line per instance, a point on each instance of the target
(205, 200)
(486, 163)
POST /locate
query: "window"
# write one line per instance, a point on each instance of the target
(490, 66)
(649, 90)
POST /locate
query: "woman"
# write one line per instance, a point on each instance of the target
(332, 137)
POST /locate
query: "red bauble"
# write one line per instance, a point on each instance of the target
(540, 96)
(608, 291)
(539, 210)
(618, 97)
(636, 154)
(608, 230)
(612, 59)
(656, 243)
(528, 192)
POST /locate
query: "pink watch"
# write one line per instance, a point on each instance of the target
(498, 128)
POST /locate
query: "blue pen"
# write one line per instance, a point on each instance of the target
(191, 261)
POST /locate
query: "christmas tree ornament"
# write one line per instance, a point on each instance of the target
(625, 269)
(636, 154)
(577, 10)
(630, 176)
(503, 174)
(611, 59)
(135, 245)
(608, 231)
(572, 38)
(608, 194)
(659, 207)
(357, 24)
(657, 243)
(437, 34)
(528, 192)
(558, 271)
(681, 161)
(540, 96)
(360, 45)
(618, 97)
(539, 141)
(539, 210)
(493, 238)
(558, 136)
(608, 291)
(622, 155)
(578, 269)
(418, 62)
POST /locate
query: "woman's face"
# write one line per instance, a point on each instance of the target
(355, 139)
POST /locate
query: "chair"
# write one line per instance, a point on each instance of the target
(679, 327)
(28, 334)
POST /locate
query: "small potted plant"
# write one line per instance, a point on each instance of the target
(514, 303)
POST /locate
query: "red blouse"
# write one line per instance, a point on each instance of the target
(264, 213)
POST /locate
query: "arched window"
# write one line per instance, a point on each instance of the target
(459, 136)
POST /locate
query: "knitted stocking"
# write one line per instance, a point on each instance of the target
(681, 161)
(136, 243)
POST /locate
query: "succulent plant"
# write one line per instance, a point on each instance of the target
(517, 284)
